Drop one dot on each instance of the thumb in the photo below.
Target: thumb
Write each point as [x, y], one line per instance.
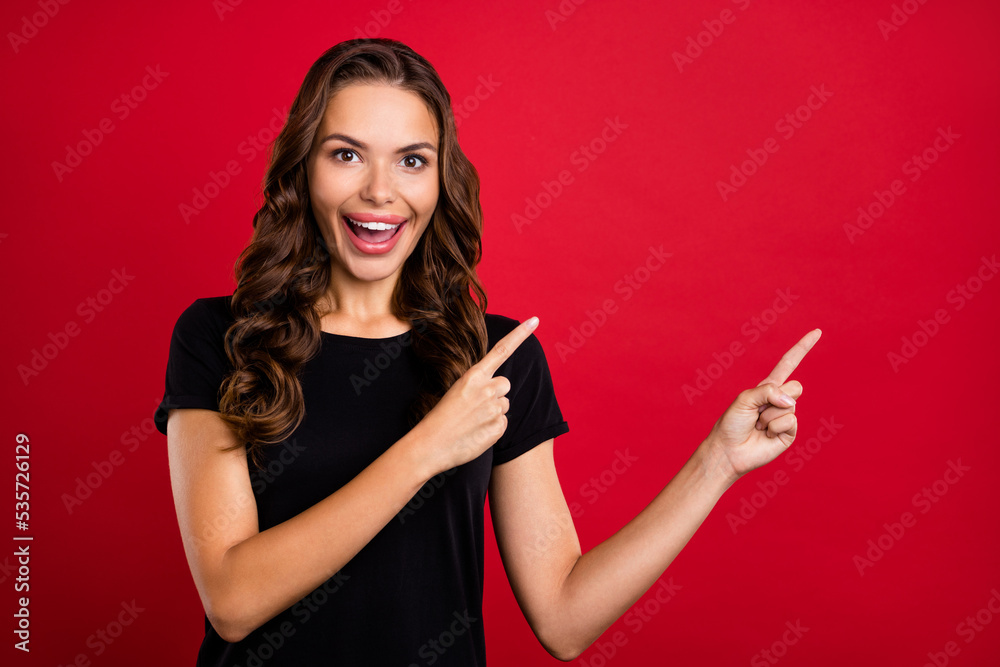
[766, 394]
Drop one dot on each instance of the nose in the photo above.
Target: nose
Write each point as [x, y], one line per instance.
[379, 186]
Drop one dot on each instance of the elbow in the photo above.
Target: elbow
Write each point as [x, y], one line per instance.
[564, 655]
[561, 645]
[230, 628]
[564, 652]
[229, 619]
[230, 632]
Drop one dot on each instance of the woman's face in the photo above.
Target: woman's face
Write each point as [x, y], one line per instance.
[374, 160]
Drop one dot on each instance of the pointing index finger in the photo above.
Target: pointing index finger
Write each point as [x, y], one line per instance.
[506, 346]
[792, 358]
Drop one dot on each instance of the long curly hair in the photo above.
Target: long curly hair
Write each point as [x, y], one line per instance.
[284, 272]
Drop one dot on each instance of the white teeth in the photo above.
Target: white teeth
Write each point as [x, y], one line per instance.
[376, 226]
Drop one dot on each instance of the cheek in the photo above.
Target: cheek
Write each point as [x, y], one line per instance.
[325, 195]
[425, 198]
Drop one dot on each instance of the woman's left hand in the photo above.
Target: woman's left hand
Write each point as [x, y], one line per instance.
[760, 424]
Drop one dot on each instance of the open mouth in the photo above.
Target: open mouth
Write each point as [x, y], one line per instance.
[373, 232]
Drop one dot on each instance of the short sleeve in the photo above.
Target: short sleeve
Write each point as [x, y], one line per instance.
[534, 415]
[197, 363]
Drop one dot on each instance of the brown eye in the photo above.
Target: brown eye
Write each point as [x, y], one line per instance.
[414, 161]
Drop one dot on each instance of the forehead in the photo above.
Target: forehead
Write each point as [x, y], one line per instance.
[379, 114]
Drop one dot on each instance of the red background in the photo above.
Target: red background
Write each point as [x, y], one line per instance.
[554, 84]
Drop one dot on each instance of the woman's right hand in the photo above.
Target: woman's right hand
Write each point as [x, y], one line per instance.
[471, 416]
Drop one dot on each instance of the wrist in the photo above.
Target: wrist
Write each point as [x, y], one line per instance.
[417, 452]
[714, 464]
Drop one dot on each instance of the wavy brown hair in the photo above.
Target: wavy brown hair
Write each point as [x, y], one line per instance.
[284, 272]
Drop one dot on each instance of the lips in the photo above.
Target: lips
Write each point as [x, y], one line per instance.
[377, 242]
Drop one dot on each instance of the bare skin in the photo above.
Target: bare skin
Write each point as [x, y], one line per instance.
[245, 576]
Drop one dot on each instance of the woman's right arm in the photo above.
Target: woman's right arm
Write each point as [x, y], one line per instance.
[246, 577]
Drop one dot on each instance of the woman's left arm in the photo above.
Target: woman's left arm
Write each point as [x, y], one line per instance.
[569, 599]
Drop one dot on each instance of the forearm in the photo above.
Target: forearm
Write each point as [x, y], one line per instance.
[270, 571]
[607, 580]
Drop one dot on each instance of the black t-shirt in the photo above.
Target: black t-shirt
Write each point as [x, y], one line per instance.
[413, 595]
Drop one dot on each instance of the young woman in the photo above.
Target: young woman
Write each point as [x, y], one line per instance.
[334, 425]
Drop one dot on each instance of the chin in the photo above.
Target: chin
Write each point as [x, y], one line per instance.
[370, 270]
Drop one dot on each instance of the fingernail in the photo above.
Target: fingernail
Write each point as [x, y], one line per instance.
[787, 400]
[532, 323]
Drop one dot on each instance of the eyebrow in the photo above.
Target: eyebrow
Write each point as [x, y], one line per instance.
[359, 144]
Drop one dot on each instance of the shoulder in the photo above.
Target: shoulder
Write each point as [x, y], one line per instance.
[207, 313]
[202, 326]
[498, 326]
[527, 354]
